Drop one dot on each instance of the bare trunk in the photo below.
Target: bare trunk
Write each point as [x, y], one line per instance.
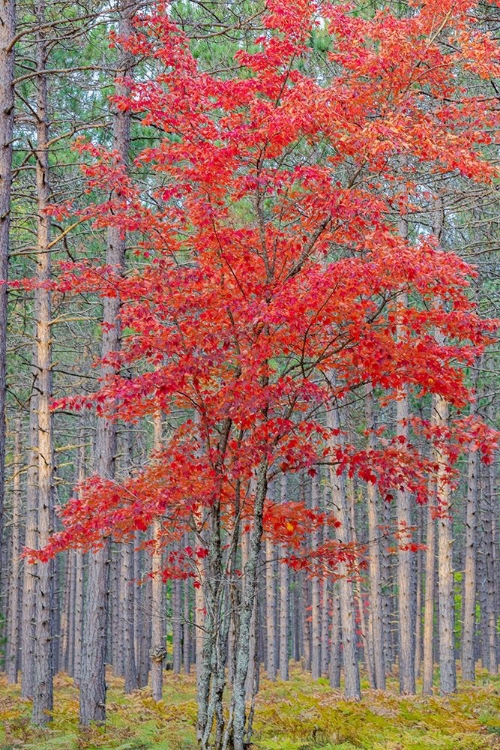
[335, 658]
[405, 573]
[28, 618]
[93, 674]
[315, 596]
[127, 612]
[347, 612]
[7, 33]
[469, 580]
[12, 666]
[430, 574]
[158, 642]
[377, 624]
[447, 669]
[43, 687]
[284, 601]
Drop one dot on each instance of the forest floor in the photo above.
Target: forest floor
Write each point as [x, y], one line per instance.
[297, 715]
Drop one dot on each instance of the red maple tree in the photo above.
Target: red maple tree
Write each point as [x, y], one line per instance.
[272, 280]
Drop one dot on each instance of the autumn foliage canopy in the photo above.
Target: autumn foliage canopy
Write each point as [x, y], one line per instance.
[275, 275]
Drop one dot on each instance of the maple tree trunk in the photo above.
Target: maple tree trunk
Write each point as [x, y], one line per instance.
[247, 608]
[7, 33]
[44, 647]
[12, 662]
[377, 624]
[28, 617]
[447, 669]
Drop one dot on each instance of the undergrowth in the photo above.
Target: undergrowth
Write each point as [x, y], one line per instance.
[296, 715]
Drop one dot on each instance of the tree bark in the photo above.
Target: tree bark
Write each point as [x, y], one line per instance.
[12, 666]
[44, 647]
[347, 612]
[7, 33]
[374, 552]
[469, 580]
[447, 673]
[93, 674]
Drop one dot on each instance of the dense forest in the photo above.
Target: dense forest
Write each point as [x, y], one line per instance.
[249, 411]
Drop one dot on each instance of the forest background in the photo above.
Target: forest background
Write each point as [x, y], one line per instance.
[375, 561]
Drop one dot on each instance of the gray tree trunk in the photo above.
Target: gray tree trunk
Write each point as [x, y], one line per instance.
[127, 613]
[270, 610]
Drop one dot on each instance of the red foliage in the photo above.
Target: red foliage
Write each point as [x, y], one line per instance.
[272, 269]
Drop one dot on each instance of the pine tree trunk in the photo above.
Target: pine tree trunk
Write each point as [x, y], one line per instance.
[405, 573]
[127, 612]
[447, 669]
[12, 666]
[28, 618]
[469, 580]
[93, 673]
[7, 33]
[270, 611]
[377, 624]
[336, 639]
[347, 611]
[315, 596]
[44, 647]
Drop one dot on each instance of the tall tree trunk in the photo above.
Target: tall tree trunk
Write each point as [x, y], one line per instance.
[247, 608]
[128, 615]
[430, 587]
[469, 580]
[405, 571]
[335, 656]
[158, 642]
[347, 612]
[12, 666]
[270, 610]
[93, 674]
[447, 668]
[284, 601]
[7, 33]
[374, 552]
[28, 617]
[44, 647]
[315, 595]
